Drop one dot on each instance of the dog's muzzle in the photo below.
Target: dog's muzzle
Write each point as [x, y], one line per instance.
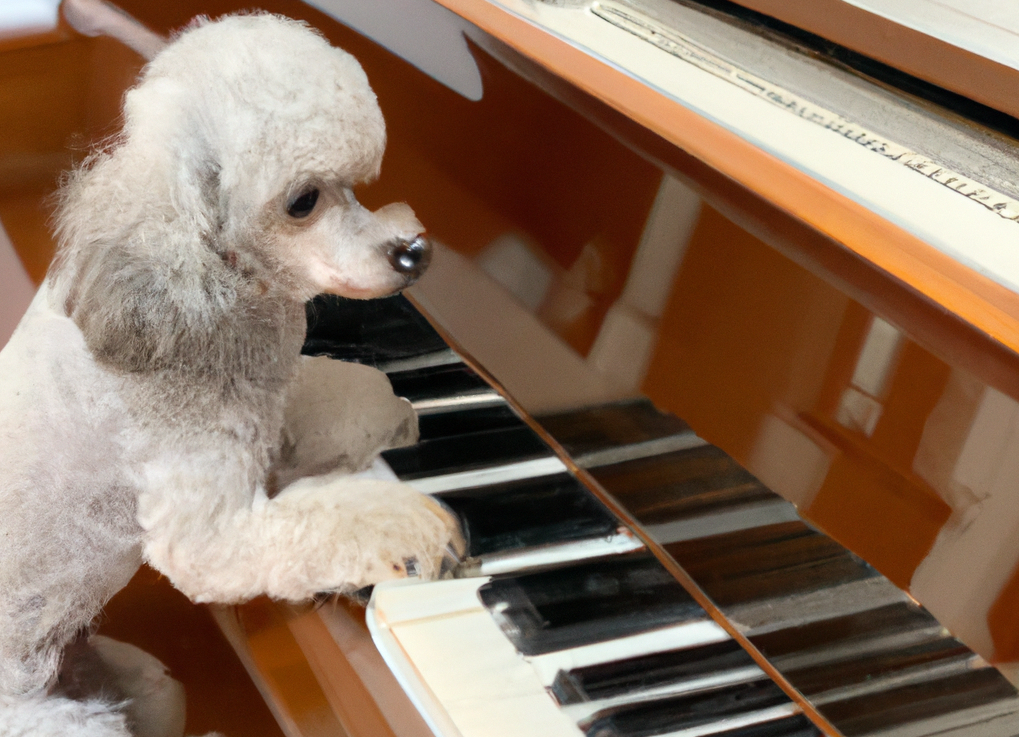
[411, 257]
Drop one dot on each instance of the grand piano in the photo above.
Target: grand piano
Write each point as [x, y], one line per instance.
[716, 361]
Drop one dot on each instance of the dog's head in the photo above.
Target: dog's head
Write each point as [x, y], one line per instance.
[230, 190]
[251, 132]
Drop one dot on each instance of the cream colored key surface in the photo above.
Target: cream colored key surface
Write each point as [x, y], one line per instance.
[457, 665]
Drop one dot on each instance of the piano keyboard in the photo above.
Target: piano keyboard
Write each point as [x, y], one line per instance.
[562, 622]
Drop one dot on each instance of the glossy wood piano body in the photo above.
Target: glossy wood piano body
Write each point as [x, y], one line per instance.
[683, 206]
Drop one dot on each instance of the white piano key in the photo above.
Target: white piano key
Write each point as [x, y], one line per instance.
[677, 637]
[550, 555]
[762, 716]
[646, 449]
[456, 664]
[733, 676]
[474, 400]
[431, 710]
[427, 360]
[745, 517]
[769, 615]
[397, 602]
[485, 476]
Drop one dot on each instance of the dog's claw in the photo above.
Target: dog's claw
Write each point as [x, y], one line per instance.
[411, 567]
[452, 562]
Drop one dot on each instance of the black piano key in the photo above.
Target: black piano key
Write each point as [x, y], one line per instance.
[633, 675]
[684, 712]
[374, 332]
[610, 425]
[931, 698]
[767, 562]
[820, 678]
[467, 422]
[530, 512]
[588, 603]
[794, 726]
[846, 634]
[438, 382]
[466, 452]
[857, 648]
[686, 483]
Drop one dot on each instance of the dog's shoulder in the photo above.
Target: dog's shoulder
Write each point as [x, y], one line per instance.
[47, 371]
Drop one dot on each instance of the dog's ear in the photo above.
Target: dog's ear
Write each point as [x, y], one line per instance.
[136, 312]
[148, 270]
[140, 267]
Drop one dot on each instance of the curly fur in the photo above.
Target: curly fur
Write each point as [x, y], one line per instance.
[144, 397]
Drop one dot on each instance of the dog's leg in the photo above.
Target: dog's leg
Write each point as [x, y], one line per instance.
[327, 533]
[338, 417]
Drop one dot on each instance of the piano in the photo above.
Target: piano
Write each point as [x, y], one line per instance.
[625, 577]
[716, 361]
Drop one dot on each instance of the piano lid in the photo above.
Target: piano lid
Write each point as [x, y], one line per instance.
[869, 167]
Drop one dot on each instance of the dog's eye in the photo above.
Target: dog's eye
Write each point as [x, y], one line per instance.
[303, 204]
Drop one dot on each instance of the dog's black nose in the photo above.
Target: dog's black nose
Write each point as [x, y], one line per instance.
[411, 257]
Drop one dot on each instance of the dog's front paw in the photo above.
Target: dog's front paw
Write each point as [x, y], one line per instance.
[422, 539]
[336, 533]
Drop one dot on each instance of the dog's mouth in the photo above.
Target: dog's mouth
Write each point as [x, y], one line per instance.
[358, 290]
[351, 292]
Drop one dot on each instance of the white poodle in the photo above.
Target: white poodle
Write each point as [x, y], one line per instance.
[144, 397]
